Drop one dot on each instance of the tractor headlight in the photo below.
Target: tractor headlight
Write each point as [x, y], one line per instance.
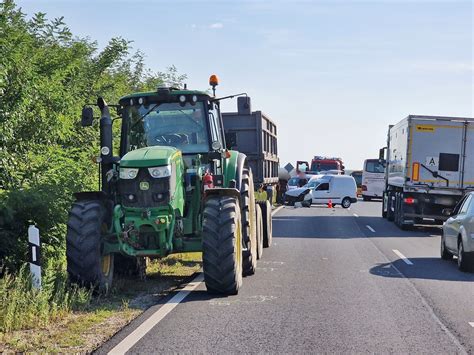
[128, 173]
[160, 171]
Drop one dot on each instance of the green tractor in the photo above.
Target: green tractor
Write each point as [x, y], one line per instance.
[173, 188]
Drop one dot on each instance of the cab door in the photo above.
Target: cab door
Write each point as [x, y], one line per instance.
[320, 194]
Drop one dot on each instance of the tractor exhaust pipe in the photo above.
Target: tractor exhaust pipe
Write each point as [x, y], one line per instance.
[105, 142]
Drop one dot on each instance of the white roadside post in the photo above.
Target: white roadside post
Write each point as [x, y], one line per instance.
[35, 255]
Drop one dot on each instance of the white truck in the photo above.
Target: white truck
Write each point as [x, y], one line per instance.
[429, 167]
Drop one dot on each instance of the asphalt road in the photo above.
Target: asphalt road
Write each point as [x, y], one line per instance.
[335, 280]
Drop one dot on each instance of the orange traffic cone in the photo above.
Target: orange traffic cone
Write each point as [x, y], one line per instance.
[330, 204]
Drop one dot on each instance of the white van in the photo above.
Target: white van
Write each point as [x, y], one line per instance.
[373, 179]
[340, 189]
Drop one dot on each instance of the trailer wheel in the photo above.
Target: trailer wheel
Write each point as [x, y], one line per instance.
[259, 220]
[267, 223]
[222, 245]
[249, 230]
[86, 265]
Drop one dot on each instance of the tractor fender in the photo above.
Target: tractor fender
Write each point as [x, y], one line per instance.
[234, 167]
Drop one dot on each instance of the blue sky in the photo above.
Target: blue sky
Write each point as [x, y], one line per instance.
[332, 74]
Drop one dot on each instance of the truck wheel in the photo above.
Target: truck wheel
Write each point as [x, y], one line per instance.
[390, 205]
[266, 208]
[222, 245]
[346, 202]
[399, 214]
[86, 265]
[259, 220]
[445, 254]
[249, 230]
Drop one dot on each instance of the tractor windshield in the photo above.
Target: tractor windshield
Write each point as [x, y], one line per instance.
[170, 124]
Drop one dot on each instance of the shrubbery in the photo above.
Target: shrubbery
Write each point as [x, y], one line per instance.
[46, 76]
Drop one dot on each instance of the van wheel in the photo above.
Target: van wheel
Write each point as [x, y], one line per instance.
[346, 202]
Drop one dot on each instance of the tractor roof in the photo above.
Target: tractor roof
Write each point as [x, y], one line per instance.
[169, 91]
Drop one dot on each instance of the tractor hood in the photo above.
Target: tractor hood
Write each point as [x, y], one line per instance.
[149, 156]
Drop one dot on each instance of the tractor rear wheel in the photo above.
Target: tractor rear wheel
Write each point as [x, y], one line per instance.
[266, 208]
[222, 245]
[249, 228]
[259, 220]
[85, 263]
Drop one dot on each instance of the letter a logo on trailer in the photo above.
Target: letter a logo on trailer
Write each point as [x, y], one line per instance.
[432, 162]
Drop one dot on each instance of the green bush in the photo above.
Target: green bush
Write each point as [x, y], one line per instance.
[46, 76]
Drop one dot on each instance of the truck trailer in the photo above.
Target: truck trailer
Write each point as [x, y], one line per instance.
[430, 166]
[255, 134]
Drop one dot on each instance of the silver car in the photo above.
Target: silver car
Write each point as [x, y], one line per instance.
[458, 234]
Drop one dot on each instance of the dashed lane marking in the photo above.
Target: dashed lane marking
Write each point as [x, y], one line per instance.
[403, 257]
[355, 215]
[133, 338]
[471, 324]
[370, 228]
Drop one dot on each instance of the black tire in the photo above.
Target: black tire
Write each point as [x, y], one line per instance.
[222, 245]
[259, 219]
[445, 254]
[346, 202]
[266, 208]
[126, 266]
[86, 265]
[399, 214]
[384, 213]
[249, 230]
[390, 205]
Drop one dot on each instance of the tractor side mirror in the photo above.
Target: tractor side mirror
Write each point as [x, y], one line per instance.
[87, 116]
[382, 154]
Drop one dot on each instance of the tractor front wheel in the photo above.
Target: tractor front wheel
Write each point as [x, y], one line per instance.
[86, 265]
[222, 245]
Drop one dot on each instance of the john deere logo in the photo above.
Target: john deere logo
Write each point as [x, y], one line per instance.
[144, 185]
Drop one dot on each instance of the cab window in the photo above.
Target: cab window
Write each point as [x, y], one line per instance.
[323, 187]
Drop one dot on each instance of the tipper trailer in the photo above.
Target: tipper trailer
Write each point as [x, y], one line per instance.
[254, 134]
[430, 165]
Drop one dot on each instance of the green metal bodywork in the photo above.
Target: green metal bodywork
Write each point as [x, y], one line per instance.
[177, 226]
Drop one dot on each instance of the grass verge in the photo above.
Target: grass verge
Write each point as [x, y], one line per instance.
[84, 326]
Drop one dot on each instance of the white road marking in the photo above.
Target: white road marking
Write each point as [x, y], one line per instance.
[471, 324]
[276, 210]
[133, 338]
[403, 257]
[370, 228]
[355, 215]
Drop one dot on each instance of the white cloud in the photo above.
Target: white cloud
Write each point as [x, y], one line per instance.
[216, 26]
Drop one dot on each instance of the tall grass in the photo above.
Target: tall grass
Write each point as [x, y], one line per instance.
[22, 306]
